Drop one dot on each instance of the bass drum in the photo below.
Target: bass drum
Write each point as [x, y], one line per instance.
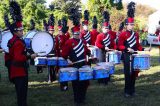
[6, 36]
[42, 43]
[28, 38]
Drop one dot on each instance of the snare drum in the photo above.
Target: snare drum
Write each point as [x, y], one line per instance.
[62, 62]
[109, 65]
[52, 61]
[28, 38]
[42, 43]
[40, 61]
[94, 51]
[100, 72]
[6, 36]
[85, 73]
[68, 74]
[114, 57]
[141, 61]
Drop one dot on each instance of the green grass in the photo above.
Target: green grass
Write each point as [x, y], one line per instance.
[40, 93]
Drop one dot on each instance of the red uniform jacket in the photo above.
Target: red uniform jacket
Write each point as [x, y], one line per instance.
[75, 49]
[113, 34]
[129, 39]
[67, 35]
[59, 43]
[94, 34]
[105, 40]
[18, 56]
[86, 36]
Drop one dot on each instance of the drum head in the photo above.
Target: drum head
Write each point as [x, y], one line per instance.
[42, 43]
[6, 36]
[30, 34]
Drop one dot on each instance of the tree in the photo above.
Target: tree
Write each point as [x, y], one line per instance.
[31, 9]
[3, 10]
[114, 7]
[62, 7]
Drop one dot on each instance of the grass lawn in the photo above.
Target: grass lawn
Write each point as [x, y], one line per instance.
[40, 93]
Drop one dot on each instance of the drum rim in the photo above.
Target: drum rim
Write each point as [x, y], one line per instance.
[69, 68]
[30, 32]
[141, 55]
[61, 58]
[51, 37]
[105, 63]
[114, 52]
[50, 58]
[41, 57]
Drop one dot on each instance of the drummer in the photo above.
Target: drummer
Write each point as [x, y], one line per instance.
[94, 31]
[128, 43]
[112, 33]
[120, 30]
[18, 55]
[78, 58]
[105, 42]
[30, 51]
[52, 71]
[60, 40]
[85, 33]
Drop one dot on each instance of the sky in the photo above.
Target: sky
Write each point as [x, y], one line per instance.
[152, 3]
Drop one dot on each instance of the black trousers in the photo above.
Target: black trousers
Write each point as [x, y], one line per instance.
[21, 85]
[52, 73]
[79, 90]
[7, 64]
[129, 74]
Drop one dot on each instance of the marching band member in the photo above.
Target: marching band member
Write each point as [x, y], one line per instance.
[76, 50]
[52, 71]
[18, 56]
[85, 33]
[111, 32]
[128, 43]
[94, 31]
[30, 51]
[60, 40]
[105, 42]
[120, 30]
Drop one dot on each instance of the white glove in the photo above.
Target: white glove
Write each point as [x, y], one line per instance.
[130, 50]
